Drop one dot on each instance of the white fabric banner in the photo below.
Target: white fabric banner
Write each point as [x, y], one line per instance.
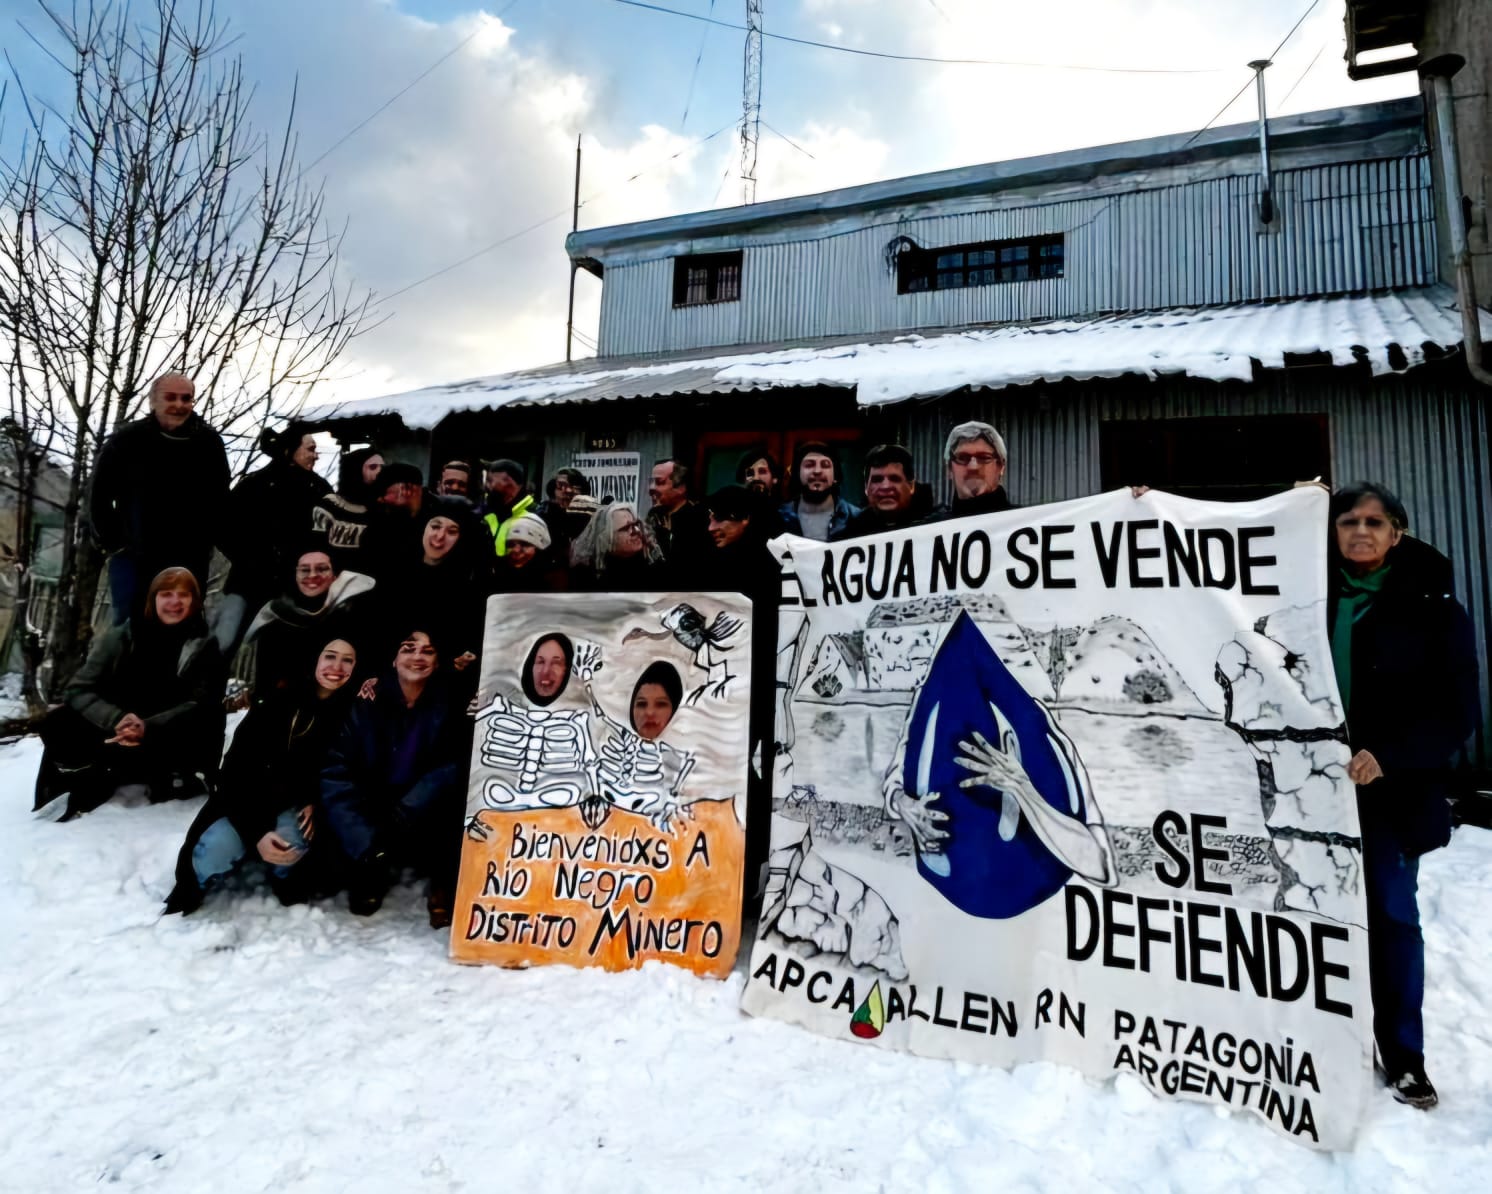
[1068, 783]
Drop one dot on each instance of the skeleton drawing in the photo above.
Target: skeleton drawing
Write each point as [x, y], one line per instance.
[559, 758]
[634, 774]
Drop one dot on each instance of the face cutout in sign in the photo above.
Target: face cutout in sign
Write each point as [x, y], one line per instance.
[606, 805]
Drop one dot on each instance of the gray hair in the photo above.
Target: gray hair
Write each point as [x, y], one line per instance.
[592, 547]
[974, 430]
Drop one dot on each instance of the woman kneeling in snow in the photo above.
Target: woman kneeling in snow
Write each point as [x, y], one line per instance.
[269, 785]
[393, 781]
[145, 708]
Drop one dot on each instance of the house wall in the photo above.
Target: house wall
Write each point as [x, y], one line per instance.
[1135, 242]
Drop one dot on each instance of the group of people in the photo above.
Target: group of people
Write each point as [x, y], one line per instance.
[356, 616]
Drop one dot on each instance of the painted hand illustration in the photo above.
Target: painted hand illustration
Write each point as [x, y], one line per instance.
[925, 822]
[1084, 848]
[594, 810]
[587, 660]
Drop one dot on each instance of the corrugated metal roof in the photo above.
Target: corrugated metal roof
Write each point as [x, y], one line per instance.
[1391, 331]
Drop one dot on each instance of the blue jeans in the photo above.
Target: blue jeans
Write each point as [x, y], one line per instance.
[220, 847]
[230, 623]
[1396, 952]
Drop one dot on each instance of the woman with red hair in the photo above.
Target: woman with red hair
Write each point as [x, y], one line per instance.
[146, 707]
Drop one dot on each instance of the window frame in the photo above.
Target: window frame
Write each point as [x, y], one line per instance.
[715, 265]
[932, 266]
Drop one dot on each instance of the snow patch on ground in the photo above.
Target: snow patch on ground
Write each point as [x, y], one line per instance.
[252, 1047]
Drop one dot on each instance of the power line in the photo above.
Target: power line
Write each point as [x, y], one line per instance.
[790, 141]
[694, 74]
[562, 213]
[1299, 21]
[827, 45]
[398, 95]
[1303, 74]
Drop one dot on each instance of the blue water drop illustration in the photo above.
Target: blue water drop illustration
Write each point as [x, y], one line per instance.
[982, 871]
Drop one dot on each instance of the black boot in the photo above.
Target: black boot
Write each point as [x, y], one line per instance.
[367, 885]
[185, 898]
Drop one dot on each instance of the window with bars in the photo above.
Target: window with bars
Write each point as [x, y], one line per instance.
[706, 278]
[958, 266]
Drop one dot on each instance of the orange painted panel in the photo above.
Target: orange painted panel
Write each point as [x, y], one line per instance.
[605, 810]
[539, 887]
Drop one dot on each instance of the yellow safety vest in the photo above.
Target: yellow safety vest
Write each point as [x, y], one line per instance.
[500, 529]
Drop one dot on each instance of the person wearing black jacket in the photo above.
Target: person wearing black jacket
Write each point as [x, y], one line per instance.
[145, 707]
[739, 562]
[270, 784]
[443, 580]
[319, 602]
[393, 781]
[158, 494]
[893, 499]
[344, 516]
[269, 516]
[975, 456]
[1405, 662]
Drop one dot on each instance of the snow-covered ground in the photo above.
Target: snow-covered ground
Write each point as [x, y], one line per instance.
[252, 1047]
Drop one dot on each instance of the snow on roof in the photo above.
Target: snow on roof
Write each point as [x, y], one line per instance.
[1216, 343]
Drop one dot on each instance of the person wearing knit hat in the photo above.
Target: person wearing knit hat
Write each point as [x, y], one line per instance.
[343, 517]
[529, 532]
[528, 566]
[269, 511]
[399, 507]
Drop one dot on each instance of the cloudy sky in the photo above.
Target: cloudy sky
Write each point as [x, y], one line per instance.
[482, 148]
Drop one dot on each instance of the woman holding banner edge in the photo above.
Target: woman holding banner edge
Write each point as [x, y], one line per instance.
[1404, 657]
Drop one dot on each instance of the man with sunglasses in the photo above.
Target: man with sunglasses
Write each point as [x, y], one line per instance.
[975, 455]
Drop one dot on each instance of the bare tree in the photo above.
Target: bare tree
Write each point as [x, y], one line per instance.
[146, 227]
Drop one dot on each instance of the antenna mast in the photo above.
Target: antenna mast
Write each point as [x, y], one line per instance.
[751, 101]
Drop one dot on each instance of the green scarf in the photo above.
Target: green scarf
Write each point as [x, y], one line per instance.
[1355, 599]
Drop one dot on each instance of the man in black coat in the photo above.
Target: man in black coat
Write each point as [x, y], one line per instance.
[975, 456]
[680, 526]
[160, 486]
[890, 495]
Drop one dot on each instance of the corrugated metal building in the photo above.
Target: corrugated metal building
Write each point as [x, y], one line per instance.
[1124, 314]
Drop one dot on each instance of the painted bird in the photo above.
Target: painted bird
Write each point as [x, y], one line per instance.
[710, 643]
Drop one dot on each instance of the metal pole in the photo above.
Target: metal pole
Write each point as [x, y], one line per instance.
[1266, 200]
[1439, 71]
[574, 226]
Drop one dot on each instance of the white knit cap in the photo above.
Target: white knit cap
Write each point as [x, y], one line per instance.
[529, 528]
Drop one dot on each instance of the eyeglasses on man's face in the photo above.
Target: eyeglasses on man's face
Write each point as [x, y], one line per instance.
[974, 459]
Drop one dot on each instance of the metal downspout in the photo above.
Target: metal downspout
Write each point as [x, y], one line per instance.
[1438, 71]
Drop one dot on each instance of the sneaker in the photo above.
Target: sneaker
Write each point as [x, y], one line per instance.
[1413, 1088]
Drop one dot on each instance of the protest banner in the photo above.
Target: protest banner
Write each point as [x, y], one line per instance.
[615, 475]
[605, 819]
[1068, 783]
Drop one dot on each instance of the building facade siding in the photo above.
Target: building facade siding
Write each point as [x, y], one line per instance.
[1339, 228]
